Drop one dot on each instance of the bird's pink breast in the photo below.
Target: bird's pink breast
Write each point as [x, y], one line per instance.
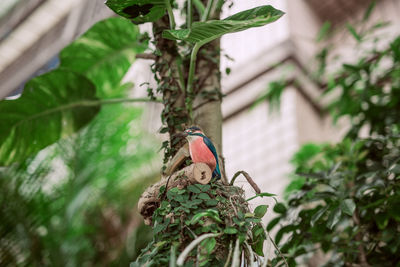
[199, 152]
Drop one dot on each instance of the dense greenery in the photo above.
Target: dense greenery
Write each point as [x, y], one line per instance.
[187, 214]
[343, 200]
[74, 203]
[74, 169]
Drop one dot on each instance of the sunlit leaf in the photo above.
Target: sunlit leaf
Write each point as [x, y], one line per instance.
[52, 106]
[104, 54]
[204, 32]
[139, 11]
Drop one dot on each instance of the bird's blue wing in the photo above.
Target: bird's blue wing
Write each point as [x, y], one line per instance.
[210, 146]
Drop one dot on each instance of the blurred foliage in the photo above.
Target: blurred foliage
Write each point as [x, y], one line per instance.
[74, 204]
[343, 200]
[59, 103]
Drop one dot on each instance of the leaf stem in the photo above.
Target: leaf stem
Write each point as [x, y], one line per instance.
[180, 73]
[189, 14]
[192, 67]
[192, 245]
[170, 14]
[207, 12]
[199, 6]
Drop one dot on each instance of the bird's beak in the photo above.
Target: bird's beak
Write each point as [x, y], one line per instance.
[180, 135]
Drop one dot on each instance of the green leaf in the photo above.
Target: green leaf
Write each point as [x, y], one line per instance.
[104, 54]
[280, 208]
[369, 10]
[324, 31]
[193, 189]
[382, 220]
[348, 206]
[138, 11]
[203, 196]
[318, 215]
[258, 247]
[264, 194]
[272, 223]
[334, 218]
[353, 32]
[260, 211]
[51, 107]
[209, 244]
[204, 32]
[230, 230]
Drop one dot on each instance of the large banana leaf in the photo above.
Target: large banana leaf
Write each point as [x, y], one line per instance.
[52, 106]
[104, 54]
[204, 32]
[139, 11]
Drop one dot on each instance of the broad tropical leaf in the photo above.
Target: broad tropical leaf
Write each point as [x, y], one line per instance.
[52, 106]
[204, 32]
[139, 11]
[104, 54]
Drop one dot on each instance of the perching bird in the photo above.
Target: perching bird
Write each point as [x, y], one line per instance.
[202, 149]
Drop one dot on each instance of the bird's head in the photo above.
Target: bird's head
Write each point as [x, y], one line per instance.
[191, 133]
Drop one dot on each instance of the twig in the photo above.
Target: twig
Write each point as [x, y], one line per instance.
[265, 262]
[192, 245]
[146, 56]
[233, 206]
[276, 247]
[362, 256]
[236, 255]
[229, 255]
[248, 178]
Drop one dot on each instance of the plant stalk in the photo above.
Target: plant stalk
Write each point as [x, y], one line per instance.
[189, 86]
[170, 14]
[207, 12]
[189, 14]
[199, 6]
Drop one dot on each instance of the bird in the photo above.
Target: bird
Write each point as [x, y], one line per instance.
[201, 149]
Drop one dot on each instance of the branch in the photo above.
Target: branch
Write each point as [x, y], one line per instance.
[362, 256]
[276, 247]
[248, 178]
[192, 245]
[146, 56]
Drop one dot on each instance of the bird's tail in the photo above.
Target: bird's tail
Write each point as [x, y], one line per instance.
[216, 173]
